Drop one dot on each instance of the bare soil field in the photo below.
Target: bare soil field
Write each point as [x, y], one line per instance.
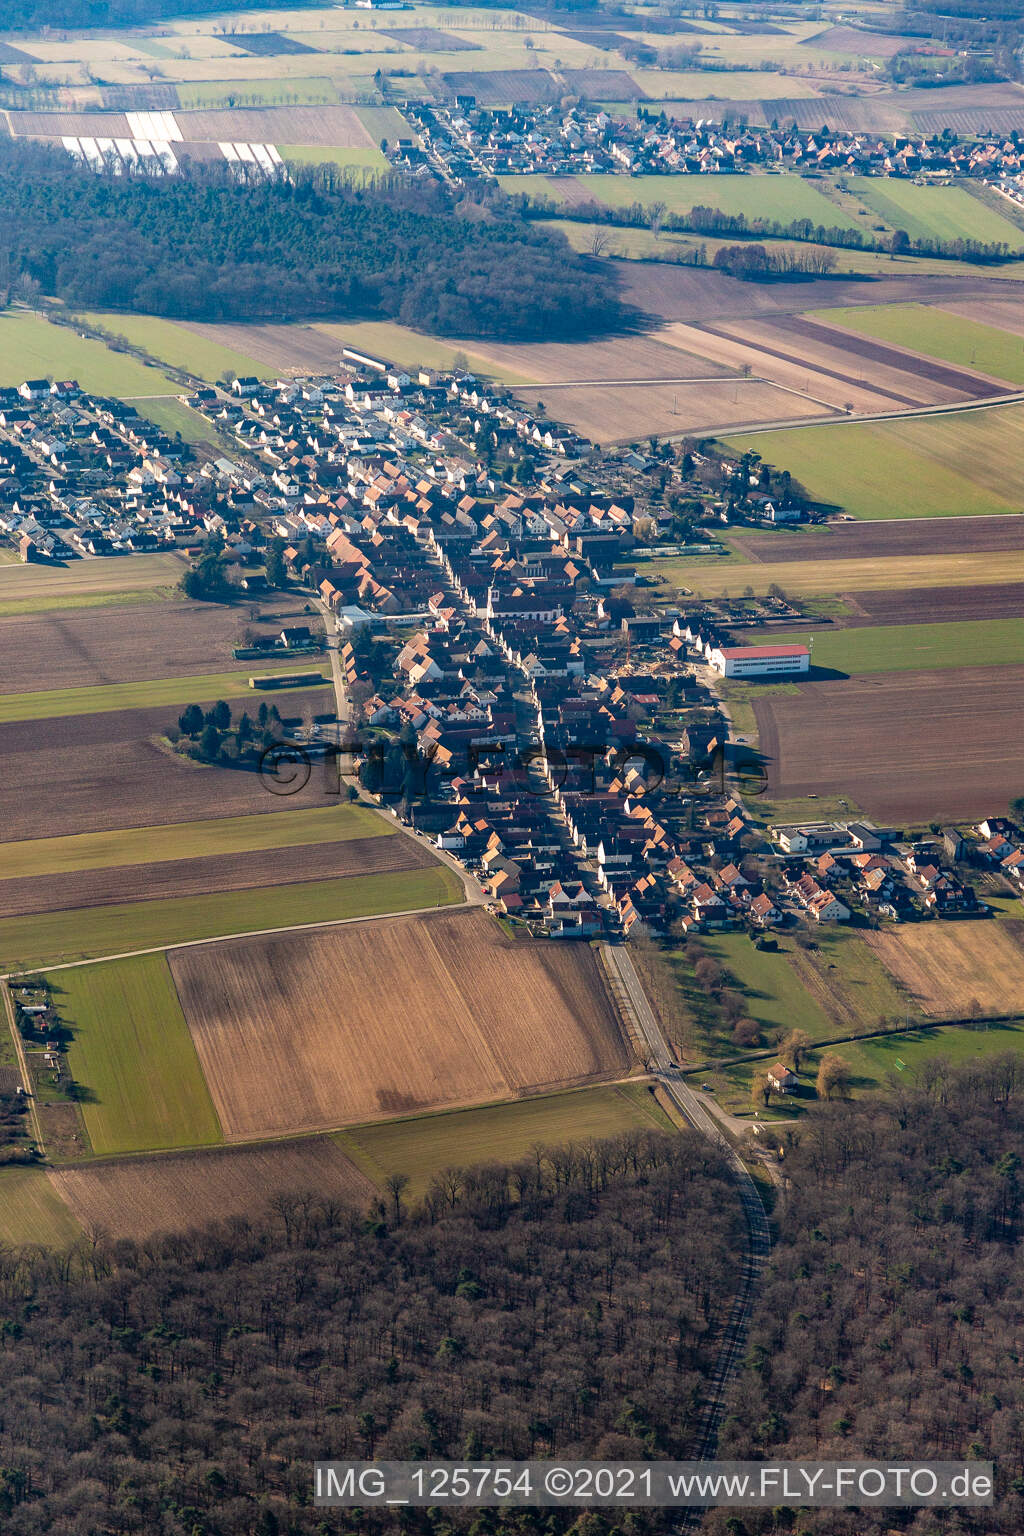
[851, 541]
[501, 87]
[93, 773]
[308, 1031]
[267, 45]
[55, 125]
[335, 125]
[872, 45]
[1003, 314]
[603, 84]
[291, 348]
[792, 364]
[644, 357]
[700, 294]
[81, 648]
[907, 747]
[933, 605]
[954, 969]
[174, 1192]
[219, 872]
[942, 380]
[430, 39]
[621, 413]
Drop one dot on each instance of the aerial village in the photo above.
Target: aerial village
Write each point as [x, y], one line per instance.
[517, 690]
[461, 141]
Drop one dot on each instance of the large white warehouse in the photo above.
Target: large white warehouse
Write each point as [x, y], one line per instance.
[760, 660]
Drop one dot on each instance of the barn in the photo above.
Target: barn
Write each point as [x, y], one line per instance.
[760, 660]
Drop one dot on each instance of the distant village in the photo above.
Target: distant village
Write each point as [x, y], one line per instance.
[520, 692]
[462, 141]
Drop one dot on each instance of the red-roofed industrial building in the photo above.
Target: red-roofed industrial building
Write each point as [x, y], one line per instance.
[760, 660]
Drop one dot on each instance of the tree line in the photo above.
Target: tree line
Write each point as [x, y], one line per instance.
[205, 246]
[570, 1303]
[712, 221]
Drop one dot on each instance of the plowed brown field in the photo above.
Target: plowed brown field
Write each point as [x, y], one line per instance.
[854, 541]
[173, 1193]
[84, 647]
[957, 969]
[95, 772]
[906, 747]
[306, 1031]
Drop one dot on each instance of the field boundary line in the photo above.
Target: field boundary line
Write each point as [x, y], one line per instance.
[951, 408]
[223, 938]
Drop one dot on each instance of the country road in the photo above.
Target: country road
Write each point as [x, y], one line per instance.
[759, 1240]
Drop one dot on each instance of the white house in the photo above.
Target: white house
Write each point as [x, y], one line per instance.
[760, 660]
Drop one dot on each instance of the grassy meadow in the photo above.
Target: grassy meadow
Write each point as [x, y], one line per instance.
[133, 1057]
[423, 1147]
[83, 932]
[953, 464]
[937, 333]
[189, 840]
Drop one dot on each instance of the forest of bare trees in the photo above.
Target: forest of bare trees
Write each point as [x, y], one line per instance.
[184, 1386]
[892, 1320]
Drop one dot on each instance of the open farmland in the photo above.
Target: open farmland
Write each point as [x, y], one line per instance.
[929, 329]
[619, 413]
[952, 465]
[816, 362]
[781, 197]
[935, 213]
[31, 1210]
[918, 606]
[174, 1192]
[897, 545]
[643, 357]
[102, 771]
[88, 648]
[279, 868]
[906, 647]
[956, 970]
[907, 747]
[224, 835]
[423, 1147]
[81, 932]
[29, 585]
[388, 1018]
[823, 577]
[180, 347]
[32, 348]
[134, 1057]
[202, 688]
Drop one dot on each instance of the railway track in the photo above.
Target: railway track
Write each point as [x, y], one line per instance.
[759, 1241]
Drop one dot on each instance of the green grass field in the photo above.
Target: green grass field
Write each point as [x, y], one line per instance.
[133, 1056]
[31, 1211]
[423, 1147]
[775, 995]
[937, 333]
[190, 840]
[935, 213]
[83, 932]
[783, 197]
[202, 688]
[955, 465]
[917, 647]
[382, 123]
[177, 419]
[179, 347]
[367, 157]
[32, 348]
[45, 604]
[289, 90]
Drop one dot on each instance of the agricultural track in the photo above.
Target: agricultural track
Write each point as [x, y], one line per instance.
[628, 989]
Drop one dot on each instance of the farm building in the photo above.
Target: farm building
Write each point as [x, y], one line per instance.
[760, 660]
